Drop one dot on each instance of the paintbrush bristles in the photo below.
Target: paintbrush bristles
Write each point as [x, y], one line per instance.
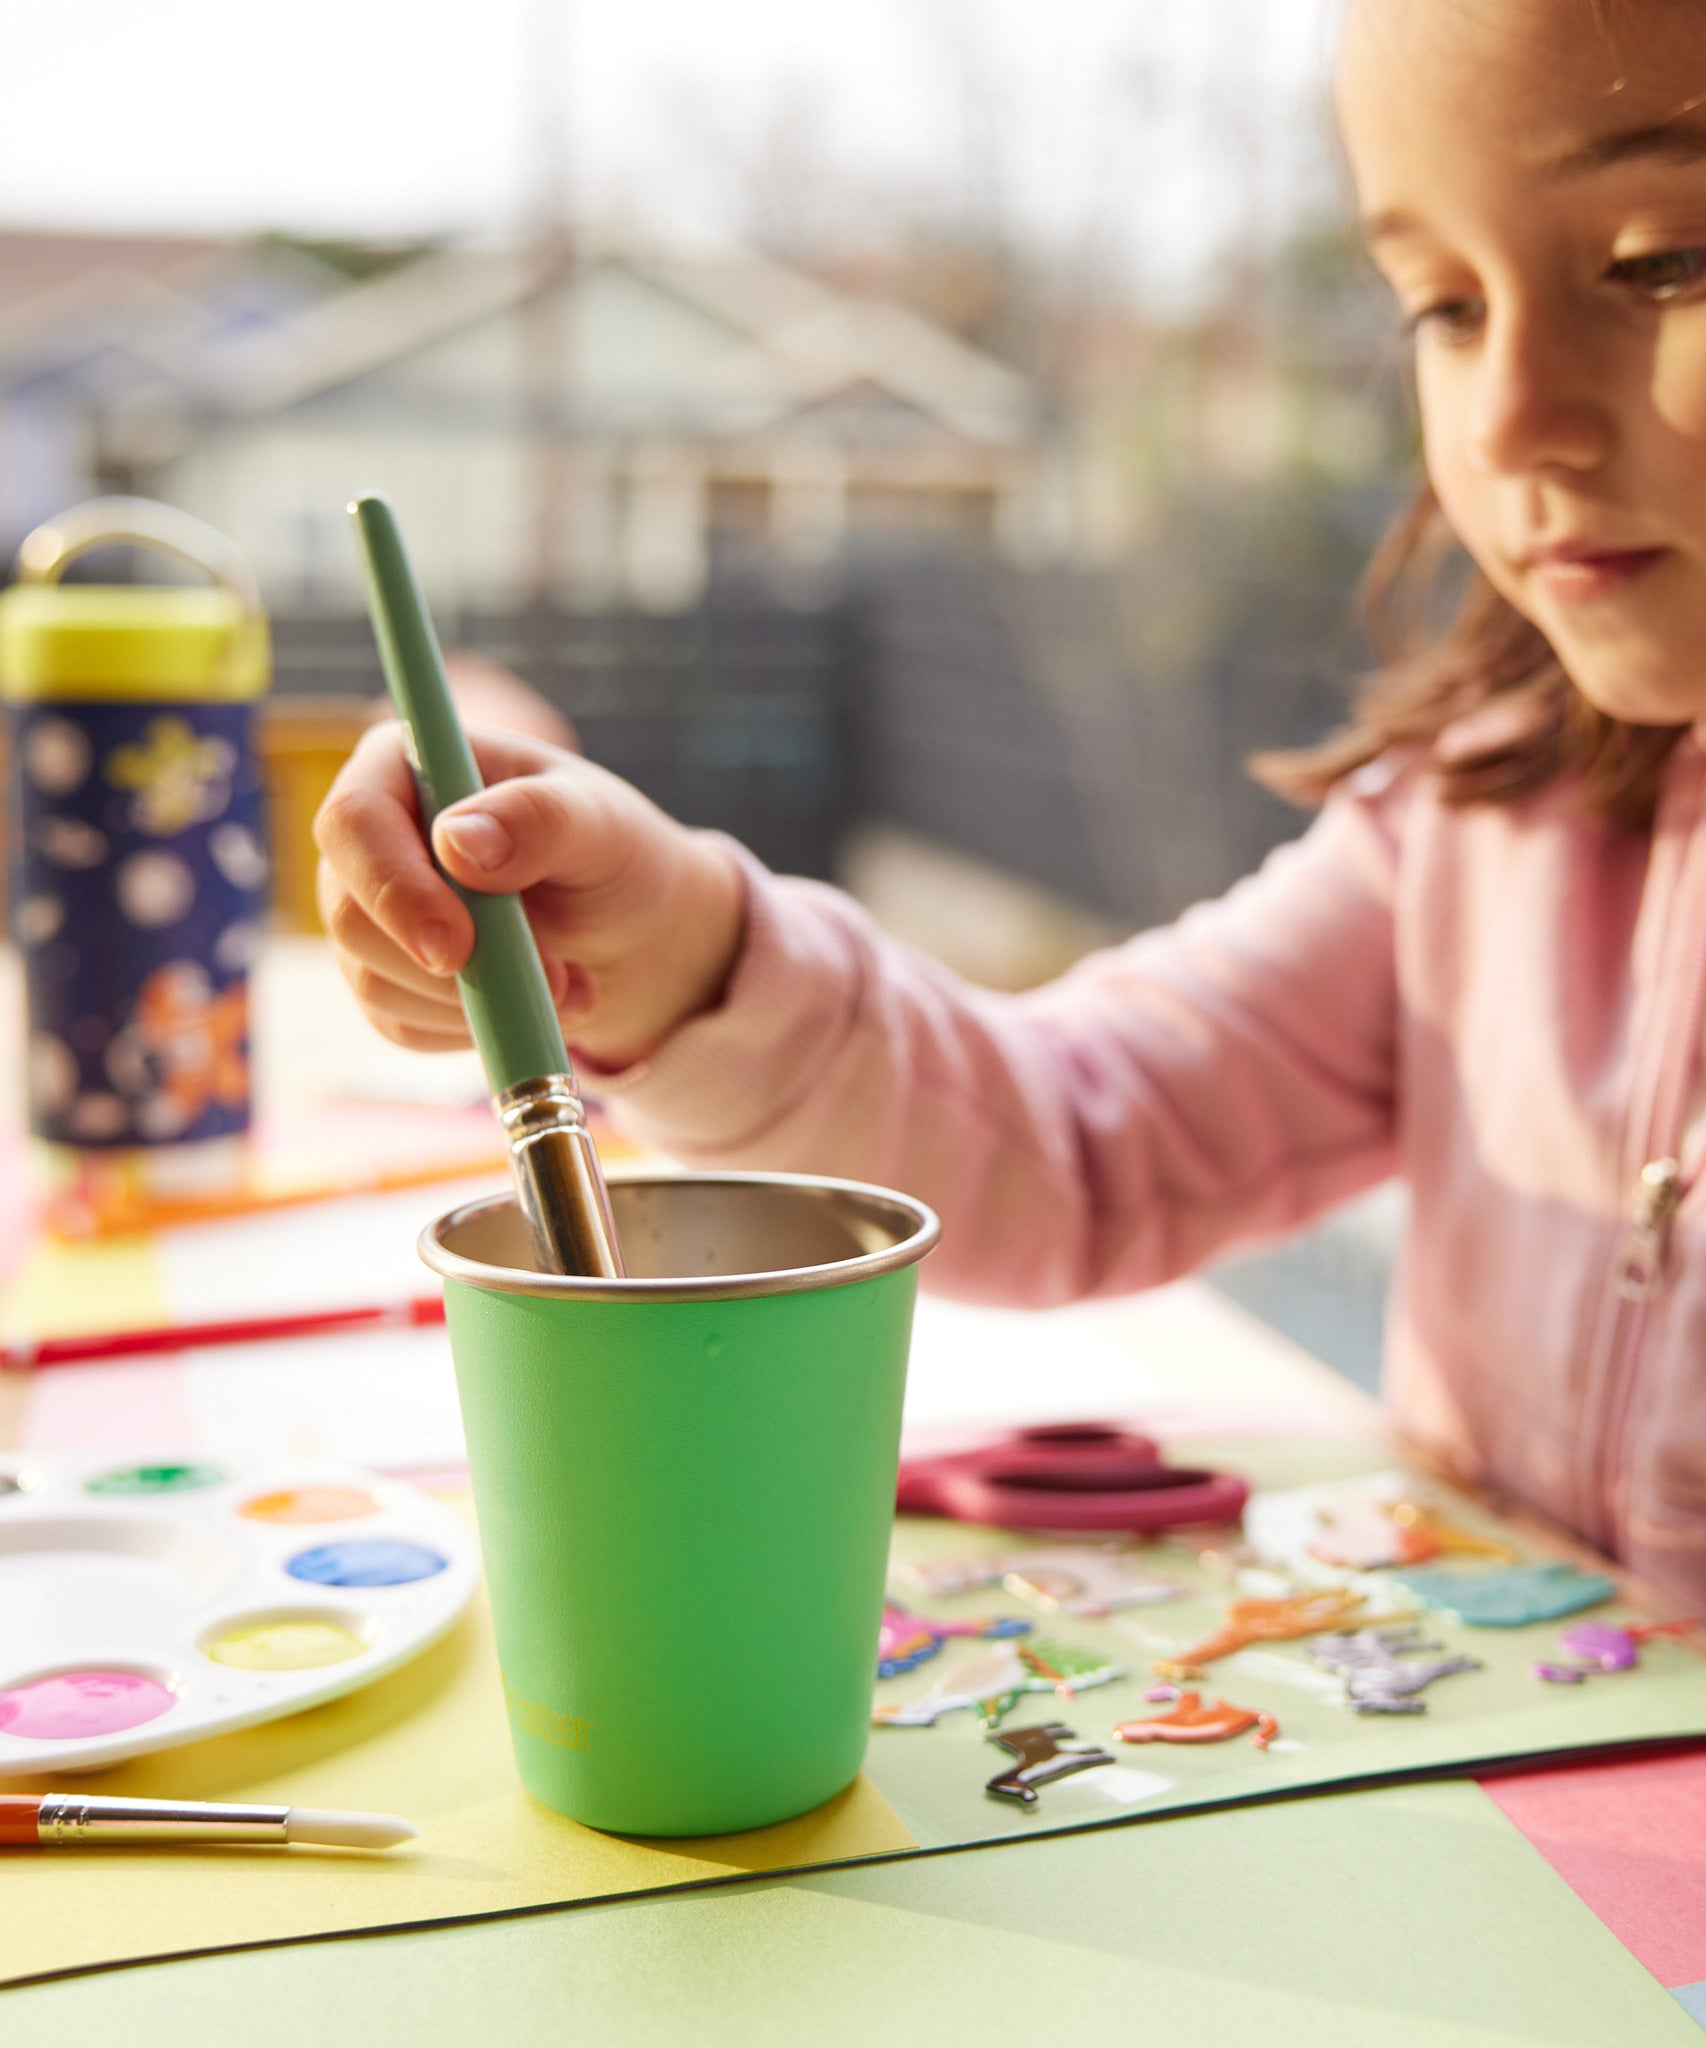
[346, 1830]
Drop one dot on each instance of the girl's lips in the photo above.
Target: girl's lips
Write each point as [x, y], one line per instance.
[1576, 575]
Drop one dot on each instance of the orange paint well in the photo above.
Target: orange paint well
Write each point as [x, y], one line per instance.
[310, 1504]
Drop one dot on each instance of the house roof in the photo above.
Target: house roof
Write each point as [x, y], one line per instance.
[726, 343]
[34, 261]
[778, 343]
[167, 304]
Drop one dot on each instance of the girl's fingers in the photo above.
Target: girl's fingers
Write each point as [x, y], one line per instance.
[357, 939]
[363, 948]
[413, 1039]
[369, 831]
[391, 1004]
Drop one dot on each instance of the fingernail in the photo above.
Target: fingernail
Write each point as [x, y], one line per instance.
[478, 839]
[432, 946]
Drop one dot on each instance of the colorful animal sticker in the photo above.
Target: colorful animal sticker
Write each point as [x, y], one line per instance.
[1066, 1579]
[1383, 1668]
[1603, 1647]
[1513, 1598]
[1450, 1539]
[1190, 1721]
[1043, 1754]
[1367, 1535]
[907, 1640]
[1057, 1667]
[993, 1684]
[977, 1687]
[1219, 1551]
[1279, 1620]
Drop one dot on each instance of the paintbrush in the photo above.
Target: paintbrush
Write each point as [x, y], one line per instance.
[65, 1821]
[504, 991]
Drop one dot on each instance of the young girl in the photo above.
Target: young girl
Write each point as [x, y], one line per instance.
[1483, 967]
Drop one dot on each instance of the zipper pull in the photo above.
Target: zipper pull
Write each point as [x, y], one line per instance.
[1642, 1257]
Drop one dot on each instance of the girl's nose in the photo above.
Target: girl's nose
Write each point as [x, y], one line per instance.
[1537, 404]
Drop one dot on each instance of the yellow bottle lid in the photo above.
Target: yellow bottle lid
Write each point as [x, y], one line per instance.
[130, 641]
[124, 641]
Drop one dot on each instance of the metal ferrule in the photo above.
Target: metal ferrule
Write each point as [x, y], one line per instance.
[557, 1178]
[64, 1823]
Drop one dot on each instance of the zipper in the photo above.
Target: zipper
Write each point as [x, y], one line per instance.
[1638, 1269]
[1638, 1276]
[1646, 1237]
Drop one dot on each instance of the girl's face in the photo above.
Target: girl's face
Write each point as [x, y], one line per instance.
[1532, 175]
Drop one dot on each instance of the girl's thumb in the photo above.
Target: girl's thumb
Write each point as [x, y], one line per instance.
[509, 837]
[474, 839]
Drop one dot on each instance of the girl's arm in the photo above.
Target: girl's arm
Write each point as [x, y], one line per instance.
[1225, 1077]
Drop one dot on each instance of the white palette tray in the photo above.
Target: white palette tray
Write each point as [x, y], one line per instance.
[153, 1603]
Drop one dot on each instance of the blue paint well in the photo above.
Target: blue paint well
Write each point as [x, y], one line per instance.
[365, 1561]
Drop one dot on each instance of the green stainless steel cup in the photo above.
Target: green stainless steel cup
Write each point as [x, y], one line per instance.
[685, 1484]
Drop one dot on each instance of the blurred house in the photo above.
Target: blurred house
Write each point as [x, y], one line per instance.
[588, 430]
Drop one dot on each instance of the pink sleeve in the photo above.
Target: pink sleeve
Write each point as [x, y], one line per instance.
[1223, 1077]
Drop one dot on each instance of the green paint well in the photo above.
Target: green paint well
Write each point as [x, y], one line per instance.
[134, 1479]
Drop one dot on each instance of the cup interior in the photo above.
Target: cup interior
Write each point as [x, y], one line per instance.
[698, 1234]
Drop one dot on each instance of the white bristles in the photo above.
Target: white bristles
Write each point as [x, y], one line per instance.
[346, 1830]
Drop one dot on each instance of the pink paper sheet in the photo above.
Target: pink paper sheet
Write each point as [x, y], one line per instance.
[1630, 1840]
[15, 1204]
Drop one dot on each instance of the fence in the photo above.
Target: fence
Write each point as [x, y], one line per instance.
[1023, 717]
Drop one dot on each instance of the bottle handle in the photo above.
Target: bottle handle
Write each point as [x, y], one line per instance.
[57, 542]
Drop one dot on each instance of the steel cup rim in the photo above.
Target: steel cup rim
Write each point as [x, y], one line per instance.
[880, 1203]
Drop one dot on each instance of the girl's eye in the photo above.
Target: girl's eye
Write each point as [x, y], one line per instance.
[1451, 320]
[1667, 274]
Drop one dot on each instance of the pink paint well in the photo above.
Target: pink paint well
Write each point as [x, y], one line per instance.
[74, 1703]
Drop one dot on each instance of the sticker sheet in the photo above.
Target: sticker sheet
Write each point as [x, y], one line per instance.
[1389, 1681]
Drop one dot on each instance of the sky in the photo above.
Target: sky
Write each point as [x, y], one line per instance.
[1136, 125]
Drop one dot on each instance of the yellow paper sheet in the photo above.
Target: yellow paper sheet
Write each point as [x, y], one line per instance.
[118, 1285]
[431, 1743]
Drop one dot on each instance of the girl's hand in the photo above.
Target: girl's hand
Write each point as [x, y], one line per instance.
[638, 919]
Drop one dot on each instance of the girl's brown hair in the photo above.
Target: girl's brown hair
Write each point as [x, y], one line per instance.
[1486, 654]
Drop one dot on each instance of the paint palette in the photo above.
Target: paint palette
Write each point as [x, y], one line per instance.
[143, 1606]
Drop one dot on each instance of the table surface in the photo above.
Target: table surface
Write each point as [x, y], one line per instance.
[1554, 1908]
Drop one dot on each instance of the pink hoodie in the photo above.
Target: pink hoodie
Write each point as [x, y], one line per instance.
[1506, 1005]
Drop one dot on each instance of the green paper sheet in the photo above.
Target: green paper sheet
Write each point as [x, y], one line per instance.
[1414, 1918]
[430, 1742]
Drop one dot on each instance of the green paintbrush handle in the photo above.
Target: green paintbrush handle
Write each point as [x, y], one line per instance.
[504, 990]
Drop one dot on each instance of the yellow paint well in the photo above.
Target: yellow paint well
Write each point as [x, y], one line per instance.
[285, 1645]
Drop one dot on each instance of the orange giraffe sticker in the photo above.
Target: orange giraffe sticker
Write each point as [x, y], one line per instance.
[1266, 1621]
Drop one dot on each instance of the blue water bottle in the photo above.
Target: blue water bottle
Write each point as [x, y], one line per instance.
[136, 869]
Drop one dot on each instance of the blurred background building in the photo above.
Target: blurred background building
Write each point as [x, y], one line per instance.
[939, 456]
